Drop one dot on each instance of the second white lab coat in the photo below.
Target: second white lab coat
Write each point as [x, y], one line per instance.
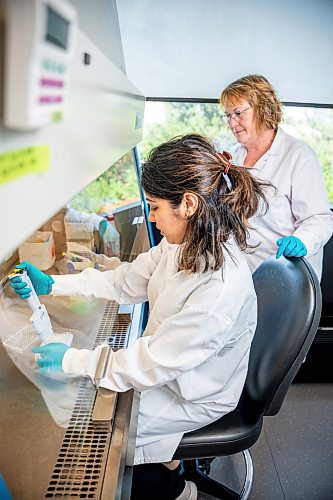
[191, 362]
[299, 206]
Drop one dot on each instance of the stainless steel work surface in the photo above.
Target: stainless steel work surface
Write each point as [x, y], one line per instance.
[29, 438]
[40, 459]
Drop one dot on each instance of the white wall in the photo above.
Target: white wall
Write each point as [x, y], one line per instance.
[193, 48]
[98, 19]
[98, 129]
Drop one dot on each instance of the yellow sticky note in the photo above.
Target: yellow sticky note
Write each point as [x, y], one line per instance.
[15, 164]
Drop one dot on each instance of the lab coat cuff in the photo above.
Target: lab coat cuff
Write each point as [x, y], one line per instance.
[81, 361]
[66, 284]
[96, 220]
[312, 247]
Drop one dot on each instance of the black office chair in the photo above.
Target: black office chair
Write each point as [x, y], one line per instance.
[289, 306]
[317, 367]
[326, 286]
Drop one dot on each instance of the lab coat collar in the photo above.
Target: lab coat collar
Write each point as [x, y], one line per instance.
[276, 144]
[273, 151]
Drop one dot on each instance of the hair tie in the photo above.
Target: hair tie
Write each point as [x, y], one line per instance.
[225, 158]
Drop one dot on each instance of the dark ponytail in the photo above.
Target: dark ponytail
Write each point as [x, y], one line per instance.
[228, 196]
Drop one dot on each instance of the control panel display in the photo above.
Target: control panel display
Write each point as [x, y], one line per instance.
[56, 29]
[40, 44]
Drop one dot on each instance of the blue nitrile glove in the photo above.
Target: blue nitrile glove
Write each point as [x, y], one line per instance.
[52, 355]
[290, 246]
[102, 227]
[41, 282]
[4, 493]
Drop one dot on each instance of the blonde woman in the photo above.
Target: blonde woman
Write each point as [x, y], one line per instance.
[298, 222]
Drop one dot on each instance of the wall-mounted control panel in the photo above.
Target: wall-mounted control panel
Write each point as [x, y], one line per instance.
[39, 46]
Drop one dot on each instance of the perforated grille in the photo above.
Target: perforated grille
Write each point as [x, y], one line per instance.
[107, 324]
[118, 337]
[80, 465]
[82, 454]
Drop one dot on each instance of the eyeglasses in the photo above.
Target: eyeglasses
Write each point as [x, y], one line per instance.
[236, 115]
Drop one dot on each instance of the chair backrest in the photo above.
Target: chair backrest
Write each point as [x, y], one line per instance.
[289, 307]
[327, 285]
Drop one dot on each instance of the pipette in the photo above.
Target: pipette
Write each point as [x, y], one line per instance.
[39, 318]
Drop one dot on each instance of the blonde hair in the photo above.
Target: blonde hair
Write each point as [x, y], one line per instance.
[262, 96]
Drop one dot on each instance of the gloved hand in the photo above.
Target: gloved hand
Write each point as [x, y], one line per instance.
[102, 227]
[290, 246]
[52, 355]
[41, 282]
[111, 240]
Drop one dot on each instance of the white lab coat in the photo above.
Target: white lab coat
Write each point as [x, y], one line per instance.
[191, 362]
[299, 207]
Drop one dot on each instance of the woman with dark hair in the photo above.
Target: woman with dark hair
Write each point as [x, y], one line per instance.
[191, 362]
[298, 222]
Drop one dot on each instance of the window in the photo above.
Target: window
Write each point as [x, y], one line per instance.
[164, 120]
[116, 187]
[116, 194]
[315, 127]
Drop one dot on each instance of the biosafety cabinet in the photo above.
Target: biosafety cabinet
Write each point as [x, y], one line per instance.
[68, 114]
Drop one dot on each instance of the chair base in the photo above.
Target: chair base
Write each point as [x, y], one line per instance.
[205, 484]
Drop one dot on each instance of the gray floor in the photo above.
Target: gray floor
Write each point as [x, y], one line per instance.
[293, 459]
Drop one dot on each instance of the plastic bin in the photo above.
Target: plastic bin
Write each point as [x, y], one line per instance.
[38, 250]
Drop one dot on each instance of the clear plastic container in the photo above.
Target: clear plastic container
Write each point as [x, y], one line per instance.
[80, 232]
[111, 239]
